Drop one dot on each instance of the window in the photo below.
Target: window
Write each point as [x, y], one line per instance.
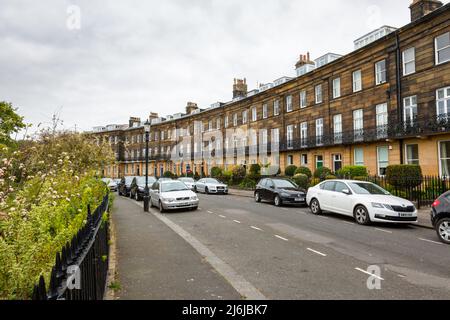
[162, 135]
[357, 81]
[358, 125]
[303, 101]
[337, 127]
[359, 157]
[235, 119]
[318, 91]
[290, 136]
[319, 162]
[442, 46]
[444, 158]
[304, 134]
[319, 131]
[244, 116]
[254, 114]
[218, 124]
[337, 162]
[412, 154]
[226, 122]
[382, 120]
[409, 61]
[290, 161]
[380, 72]
[410, 110]
[304, 159]
[336, 88]
[265, 111]
[275, 136]
[289, 103]
[210, 125]
[263, 135]
[276, 107]
[383, 160]
[443, 102]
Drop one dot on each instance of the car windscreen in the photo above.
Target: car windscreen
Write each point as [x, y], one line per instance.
[187, 180]
[128, 180]
[367, 188]
[214, 181]
[284, 184]
[173, 186]
[140, 181]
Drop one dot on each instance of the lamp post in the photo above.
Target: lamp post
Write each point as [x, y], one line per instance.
[147, 127]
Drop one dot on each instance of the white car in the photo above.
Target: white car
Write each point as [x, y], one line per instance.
[189, 182]
[364, 201]
[172, 195]
[209, 185]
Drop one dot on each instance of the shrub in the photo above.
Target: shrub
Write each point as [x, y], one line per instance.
[168, 174]
[248, 183]
[362, 178]
[238, 174]
[255, 169]
[226, 177]
[322, 173]
[330, 177]
[404, 176]
[352, 172]
[302, 180]
[305, 171]
[290, 170]
[216, 172]
[196, 176]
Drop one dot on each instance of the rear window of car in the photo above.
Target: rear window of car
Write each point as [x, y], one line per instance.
[328, 186]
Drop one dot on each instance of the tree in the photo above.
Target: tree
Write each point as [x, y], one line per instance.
[10, 122]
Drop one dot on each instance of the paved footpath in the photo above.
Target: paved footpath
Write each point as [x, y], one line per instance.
[154, 263]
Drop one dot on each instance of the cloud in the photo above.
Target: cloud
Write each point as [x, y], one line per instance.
[133, 57]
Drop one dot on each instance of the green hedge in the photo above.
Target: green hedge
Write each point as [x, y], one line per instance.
[302, 180]
[290, 170]
[304, 170]
[351, 172]
[322, 173]
[404, 176]
[216, 172]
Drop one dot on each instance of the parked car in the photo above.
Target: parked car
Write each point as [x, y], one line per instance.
[125, 186]
[440, 217]
[189, 182]
[138, 187]
[111, 183]
[364, 201]
[209, 185]
[172, 195]
[164, 179]
[279, 192]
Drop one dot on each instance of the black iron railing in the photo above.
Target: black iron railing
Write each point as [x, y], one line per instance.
[81, 269]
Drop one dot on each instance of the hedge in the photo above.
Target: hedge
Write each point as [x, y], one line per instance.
[302, 180]
[352, 171]
[322, 173]
[305, 171]
[290, 170]
[216, 172]
[404, 176]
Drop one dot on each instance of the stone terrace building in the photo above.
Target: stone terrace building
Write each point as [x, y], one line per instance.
[387, 102]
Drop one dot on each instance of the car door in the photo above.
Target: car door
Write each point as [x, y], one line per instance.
[269, 190]
[263, 189]
[201, 185]
[342, 202]
[325, 195]
[154, 194]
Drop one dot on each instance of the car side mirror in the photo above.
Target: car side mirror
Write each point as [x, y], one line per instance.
[346, 191]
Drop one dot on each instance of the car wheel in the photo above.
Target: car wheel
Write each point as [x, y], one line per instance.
[195, 189]
[194, 208]
[161, 208]
[362, 215]
[443, 230]
[315, 207]
[257, 197]
[151, 202]
[137, 196]
[277, 201]
[206, 190]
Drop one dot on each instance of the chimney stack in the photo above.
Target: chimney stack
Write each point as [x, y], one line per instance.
[191, 106]
[134, 122]
[304, 59]
[152, 116]
[420, 8]
[239, 88]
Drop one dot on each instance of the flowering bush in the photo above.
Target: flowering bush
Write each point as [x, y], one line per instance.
[45, 188]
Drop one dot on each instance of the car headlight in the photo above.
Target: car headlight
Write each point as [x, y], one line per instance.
[168, 199]
[377, 205]
[194, 198]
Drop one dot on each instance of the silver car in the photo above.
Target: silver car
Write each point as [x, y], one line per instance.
[172, 195]
[209, 185]
[189, 182]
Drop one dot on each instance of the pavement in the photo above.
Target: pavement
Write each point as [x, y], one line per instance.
[423, 214]
[235, 248]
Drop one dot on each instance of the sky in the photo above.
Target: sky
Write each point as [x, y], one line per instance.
[98, 62]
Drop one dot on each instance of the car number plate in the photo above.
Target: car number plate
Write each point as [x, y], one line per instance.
[405, 215]
[299, 199]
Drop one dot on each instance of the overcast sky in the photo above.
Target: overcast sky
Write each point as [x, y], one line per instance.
[128, 58]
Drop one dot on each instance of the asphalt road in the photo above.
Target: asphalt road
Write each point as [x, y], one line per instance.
[288, 253]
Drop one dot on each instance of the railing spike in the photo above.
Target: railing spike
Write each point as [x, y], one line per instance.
[53, 287]
[42, 292]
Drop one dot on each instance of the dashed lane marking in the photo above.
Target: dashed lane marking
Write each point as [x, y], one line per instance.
[431, 241]
[280, 237]
[256, 228]
[223, 217]
[370, 274]
[317, 252]
[237, 221]
[382, 230]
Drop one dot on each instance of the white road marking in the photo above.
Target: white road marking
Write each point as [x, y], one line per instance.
[351, 223]
[210, 212]
[401, 276]
[239, 283]
[285, 209]
[237, 221]
[370, 274]
[280, 237]
[431, 241]
[317, 252]
[223, 217]
[382, 230]
[256, 228]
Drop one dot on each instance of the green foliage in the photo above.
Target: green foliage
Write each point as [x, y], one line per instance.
[290, 170]
[322, 173]
[302, 180]
[305, 171]
[10, 122]
[362, 178]
[404, 176]
[114, 285]
[168, 174]
[255, 169]
[330, 177]
[238, 174]
[216, 172]
[350, 172]
[190, 174]
[226, 177]
[248, 183]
